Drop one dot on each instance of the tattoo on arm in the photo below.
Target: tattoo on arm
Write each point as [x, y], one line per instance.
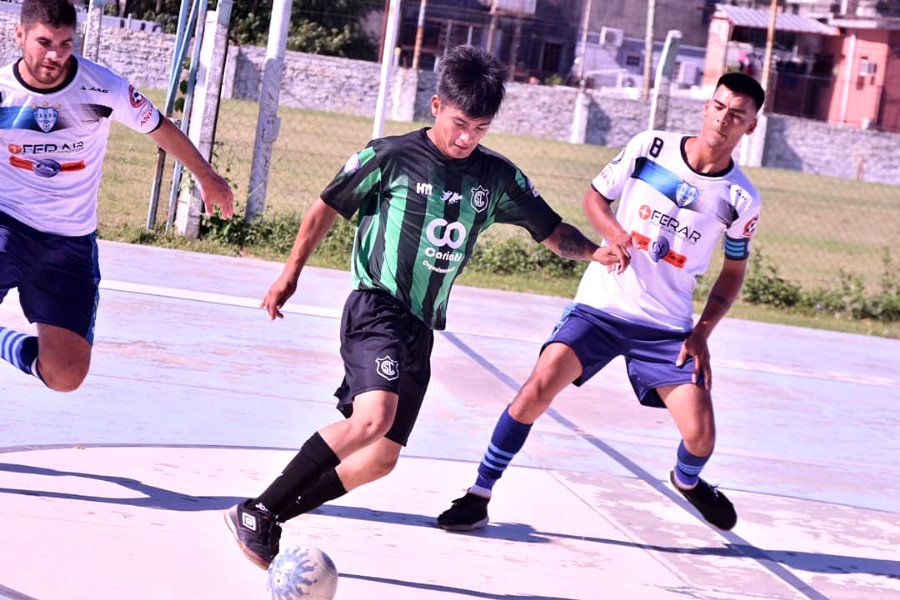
[572, 243]
[719, 299]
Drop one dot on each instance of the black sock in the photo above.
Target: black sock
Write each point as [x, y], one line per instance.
[315, 458]
[326, 489]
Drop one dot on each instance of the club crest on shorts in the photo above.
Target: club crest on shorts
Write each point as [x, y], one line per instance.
[387, 367]
[46, 117]
[480, 198]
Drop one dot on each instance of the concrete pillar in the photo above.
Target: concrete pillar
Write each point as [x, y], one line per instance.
[92, 27]
[268, 123]
[580, 117]
[213, 52]
[752, 148]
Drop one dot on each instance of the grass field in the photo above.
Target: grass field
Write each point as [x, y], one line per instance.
[812, 227]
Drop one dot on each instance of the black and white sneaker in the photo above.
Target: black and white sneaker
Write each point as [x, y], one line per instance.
[466, 513]
[255, 531]
[712, 504]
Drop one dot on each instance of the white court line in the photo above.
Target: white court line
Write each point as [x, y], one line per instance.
[333, 313]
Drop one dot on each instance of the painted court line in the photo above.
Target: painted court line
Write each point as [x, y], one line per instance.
[333, 313]
[759, 556]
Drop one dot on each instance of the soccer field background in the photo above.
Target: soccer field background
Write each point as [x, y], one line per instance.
[813, 228]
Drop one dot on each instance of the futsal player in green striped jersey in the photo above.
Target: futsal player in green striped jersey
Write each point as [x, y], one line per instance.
[420, 200]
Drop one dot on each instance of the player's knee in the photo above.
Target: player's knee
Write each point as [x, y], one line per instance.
[700, 439]
[64, 380]
[367, 428]
[531, 401]
[383, 465]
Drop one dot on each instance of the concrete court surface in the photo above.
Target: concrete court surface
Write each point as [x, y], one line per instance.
[196, 400]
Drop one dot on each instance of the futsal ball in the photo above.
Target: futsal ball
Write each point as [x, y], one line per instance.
[302, 574]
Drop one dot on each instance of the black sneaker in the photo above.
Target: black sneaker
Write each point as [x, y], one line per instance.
[255, 531]
[712, 504]
[466, 514]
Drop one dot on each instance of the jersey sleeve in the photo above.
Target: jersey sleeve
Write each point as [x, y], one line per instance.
[356, 180]
[610, 181]
[135, 111]
[522, 205]
[746, 204]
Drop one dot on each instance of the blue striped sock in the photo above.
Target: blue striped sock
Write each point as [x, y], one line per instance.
[688, 466]
[18, 349]
[508, 438]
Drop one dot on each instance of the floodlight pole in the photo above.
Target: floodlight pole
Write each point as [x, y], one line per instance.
[268, 123]
[420, 34]
[648, 48]
[387, 59]
[770, 42]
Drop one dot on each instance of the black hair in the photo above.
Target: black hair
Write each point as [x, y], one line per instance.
[741, 83]
[52, 13]
[473, 80]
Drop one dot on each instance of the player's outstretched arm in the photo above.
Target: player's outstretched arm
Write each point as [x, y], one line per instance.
[214, 189]
[599, 214]
[315, 224]
[567, 241]
[722, 295]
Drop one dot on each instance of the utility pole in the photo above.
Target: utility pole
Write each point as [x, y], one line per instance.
[770, 42]
[648, 48]
[492, 27]
[585, 25]
[420, 34]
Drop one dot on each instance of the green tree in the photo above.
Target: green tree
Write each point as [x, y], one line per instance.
[329, 27]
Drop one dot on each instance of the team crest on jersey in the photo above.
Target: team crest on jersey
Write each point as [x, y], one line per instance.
[135, 97]
[480, 198]
[387, 367]
[686, 194]
[46, 117]
[352, 164]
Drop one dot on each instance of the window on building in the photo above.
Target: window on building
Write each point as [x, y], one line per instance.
[551, 56]
[632, 60]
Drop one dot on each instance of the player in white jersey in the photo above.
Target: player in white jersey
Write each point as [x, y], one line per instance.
[54, 118]
[678, 196]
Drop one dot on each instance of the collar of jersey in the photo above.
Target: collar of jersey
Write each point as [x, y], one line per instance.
[440, 155]
[69, 78]
[684, 157]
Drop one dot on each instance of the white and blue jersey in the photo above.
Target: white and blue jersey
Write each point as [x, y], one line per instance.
[54, 141]
[676, 218]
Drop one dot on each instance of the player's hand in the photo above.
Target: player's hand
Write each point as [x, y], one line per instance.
[215, 191]
[616, 257]
[283, 288]
[695, 346]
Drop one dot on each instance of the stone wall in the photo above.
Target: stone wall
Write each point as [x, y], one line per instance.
[351, 86]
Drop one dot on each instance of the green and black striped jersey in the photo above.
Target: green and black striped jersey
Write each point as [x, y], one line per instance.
[420, 214]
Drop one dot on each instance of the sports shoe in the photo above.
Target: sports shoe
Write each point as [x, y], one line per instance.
[466, 514]
[712, 504]
[255, 531]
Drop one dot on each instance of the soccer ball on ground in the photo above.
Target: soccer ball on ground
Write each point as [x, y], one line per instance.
[302, 574]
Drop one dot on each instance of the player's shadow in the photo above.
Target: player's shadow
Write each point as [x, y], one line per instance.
[153, 497]
[449, 589]
[815, 562]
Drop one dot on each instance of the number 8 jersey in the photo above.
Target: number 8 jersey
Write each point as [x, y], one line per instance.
[676, 217]
[54, 141]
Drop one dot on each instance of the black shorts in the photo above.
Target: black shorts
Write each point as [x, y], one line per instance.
[58, 276]
[384, 347]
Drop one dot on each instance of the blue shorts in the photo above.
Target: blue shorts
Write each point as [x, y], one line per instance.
[597, 337]
[58, 276]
